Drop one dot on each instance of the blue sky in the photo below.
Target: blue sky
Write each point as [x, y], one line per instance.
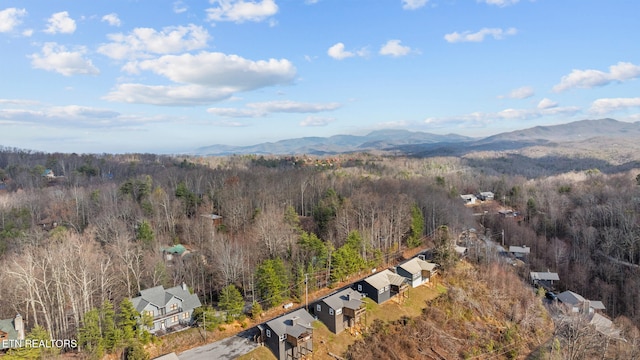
[170, 76]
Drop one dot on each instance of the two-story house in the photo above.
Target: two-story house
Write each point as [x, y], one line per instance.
[289, 336]
[341, 310]
[382, 286]
[170, 308]
[417, 271]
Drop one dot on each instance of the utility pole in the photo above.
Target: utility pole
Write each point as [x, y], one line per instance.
[306, 291]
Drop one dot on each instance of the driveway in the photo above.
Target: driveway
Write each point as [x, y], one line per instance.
[225, 349]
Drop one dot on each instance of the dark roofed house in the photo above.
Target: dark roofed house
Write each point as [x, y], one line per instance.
[289, 336]
[486, 195]
[576, 303]
[520, 251]
[11, 330]
[341, 310]
[417, 271]
[544, 279]
[382, 286]
[171, 308]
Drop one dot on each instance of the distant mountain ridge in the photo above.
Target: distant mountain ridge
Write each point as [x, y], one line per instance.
[383, 140]
[423, 144]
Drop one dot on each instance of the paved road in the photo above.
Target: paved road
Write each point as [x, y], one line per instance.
[225, 349]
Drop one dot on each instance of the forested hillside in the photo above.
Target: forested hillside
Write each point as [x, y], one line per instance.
[93, 230]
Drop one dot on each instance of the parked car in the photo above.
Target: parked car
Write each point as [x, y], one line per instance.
[551, 296]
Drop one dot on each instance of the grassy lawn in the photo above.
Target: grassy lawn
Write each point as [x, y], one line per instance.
[261, 353]
[325, 342]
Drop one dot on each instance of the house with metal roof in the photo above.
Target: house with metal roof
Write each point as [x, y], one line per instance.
[341, 310]
[289, 336]
[171, 309]
[417, 271]
[544, 279]
[576, 303]
[519, 251]
[11, 332]
[382, 286]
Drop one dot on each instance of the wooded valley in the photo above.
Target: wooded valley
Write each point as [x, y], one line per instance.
[99, 227]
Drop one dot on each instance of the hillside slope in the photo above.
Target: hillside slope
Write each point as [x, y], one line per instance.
[487, 312]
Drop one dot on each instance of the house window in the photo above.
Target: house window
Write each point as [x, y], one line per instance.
[185, 315]
[381, 291]
[318, 307]
[339, 311]
[149, 313]
[330, 311]
[174, 318]
[283, 337]
[174, 307]
[268, 333]
[359, 287]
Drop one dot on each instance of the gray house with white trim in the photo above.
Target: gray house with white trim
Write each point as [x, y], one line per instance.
[341, 310]
[11, 331]
[382, 286]
[289, 336]
[170, 309]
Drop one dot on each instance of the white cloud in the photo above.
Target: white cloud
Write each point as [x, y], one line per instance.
[142, 42]
[413, 4]
[10, 18]
[219, 70]
[393, 48]
[501, 3]
[547, 104]
[70, 115]
[169, 95]
[338, 52]
[479, 36]
[61, 23]
[179, 7]
[311, 2]
[608, 105]
[27, 32]
[264, 108]
[482, 118]
[240, 11]
[519, 93]
[57, 58]
[209, 77]
[112, 19]
[587, 79]
[316, 121]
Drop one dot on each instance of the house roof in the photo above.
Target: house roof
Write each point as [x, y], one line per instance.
[384, 278]
[598, 305]
[176, 249]
[212, 216]
[468, 197]
[416, 265]
[520, 249]
[548, 276]
[460, 250]
[159, 297]
[7, 326]
[569, 297]
[486, 193]
[347, 298]
[286, 324]
[603, 325]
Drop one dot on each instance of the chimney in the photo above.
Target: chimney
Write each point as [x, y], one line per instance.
[294, 320]
[184, 287]
[18, 324]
